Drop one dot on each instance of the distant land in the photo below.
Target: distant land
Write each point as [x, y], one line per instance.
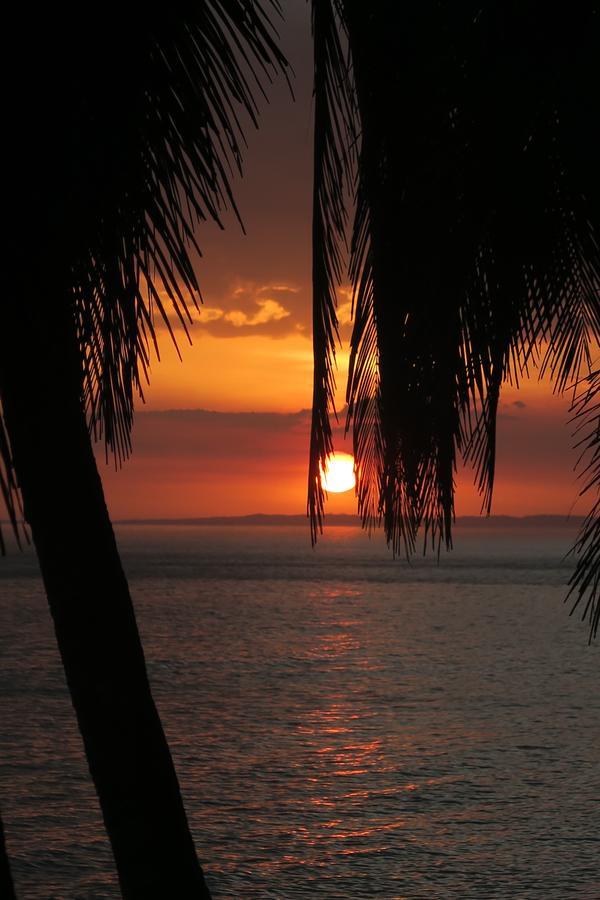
[349, 521]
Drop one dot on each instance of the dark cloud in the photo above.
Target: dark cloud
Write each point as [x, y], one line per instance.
[201, 462]
[218, 436]
[506, 410]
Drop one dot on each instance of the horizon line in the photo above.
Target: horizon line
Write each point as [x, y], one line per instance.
[349, 519]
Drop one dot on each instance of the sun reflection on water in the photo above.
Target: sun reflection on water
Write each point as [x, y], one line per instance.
[342, 739]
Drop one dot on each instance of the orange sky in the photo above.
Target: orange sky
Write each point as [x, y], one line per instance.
[226, 431]
[229, 461]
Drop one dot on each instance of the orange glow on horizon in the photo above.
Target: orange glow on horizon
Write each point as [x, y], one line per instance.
[226, 432]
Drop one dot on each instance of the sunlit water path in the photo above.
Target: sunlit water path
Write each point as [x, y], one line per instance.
[343, 725]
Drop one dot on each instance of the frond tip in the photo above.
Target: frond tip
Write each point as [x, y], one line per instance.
[9, 491]
[585, 583]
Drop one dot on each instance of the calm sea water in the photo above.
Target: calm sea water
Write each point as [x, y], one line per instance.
[343, 725]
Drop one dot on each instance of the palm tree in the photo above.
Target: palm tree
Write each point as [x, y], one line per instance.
[123, 133]
[472, 135]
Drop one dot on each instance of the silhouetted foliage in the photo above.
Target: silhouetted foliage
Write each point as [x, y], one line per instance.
[585, 583]
[124, 132]
[125, 140]
[475, 244]
[333, 156]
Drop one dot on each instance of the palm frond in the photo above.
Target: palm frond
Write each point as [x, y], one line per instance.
[362, 393]
[573, 322]
[9, 491]
[201, 70]
[473, 241]
[142, 128]
[585, 582]
[410, 385]
[333, 158]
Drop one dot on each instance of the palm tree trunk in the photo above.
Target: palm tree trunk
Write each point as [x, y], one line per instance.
[7, 889]
[128, 756]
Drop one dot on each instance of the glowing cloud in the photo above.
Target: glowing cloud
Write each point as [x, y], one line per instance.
[268, 311]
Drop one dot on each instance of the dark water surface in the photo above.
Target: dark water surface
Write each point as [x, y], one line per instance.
[343, 725]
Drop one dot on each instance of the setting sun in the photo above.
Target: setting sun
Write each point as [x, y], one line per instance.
[338, 475]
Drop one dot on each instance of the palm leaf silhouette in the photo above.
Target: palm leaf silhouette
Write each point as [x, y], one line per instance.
[124, 134]
[147, 146]
[475, 242]
[335, 120]
[585, 583]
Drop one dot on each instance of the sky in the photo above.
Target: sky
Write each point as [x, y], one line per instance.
[224, 431]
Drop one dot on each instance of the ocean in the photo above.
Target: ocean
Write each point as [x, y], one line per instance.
[344, 725]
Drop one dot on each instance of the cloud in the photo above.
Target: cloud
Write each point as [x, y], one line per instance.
[265, 311]
[208, 314]
[247, 308]
[200, 433]
[507, 410]
[220, 439]
[200, 462]
[268, 311]
[273, 309]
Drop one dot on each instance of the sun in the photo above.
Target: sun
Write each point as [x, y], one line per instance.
[339, 475]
